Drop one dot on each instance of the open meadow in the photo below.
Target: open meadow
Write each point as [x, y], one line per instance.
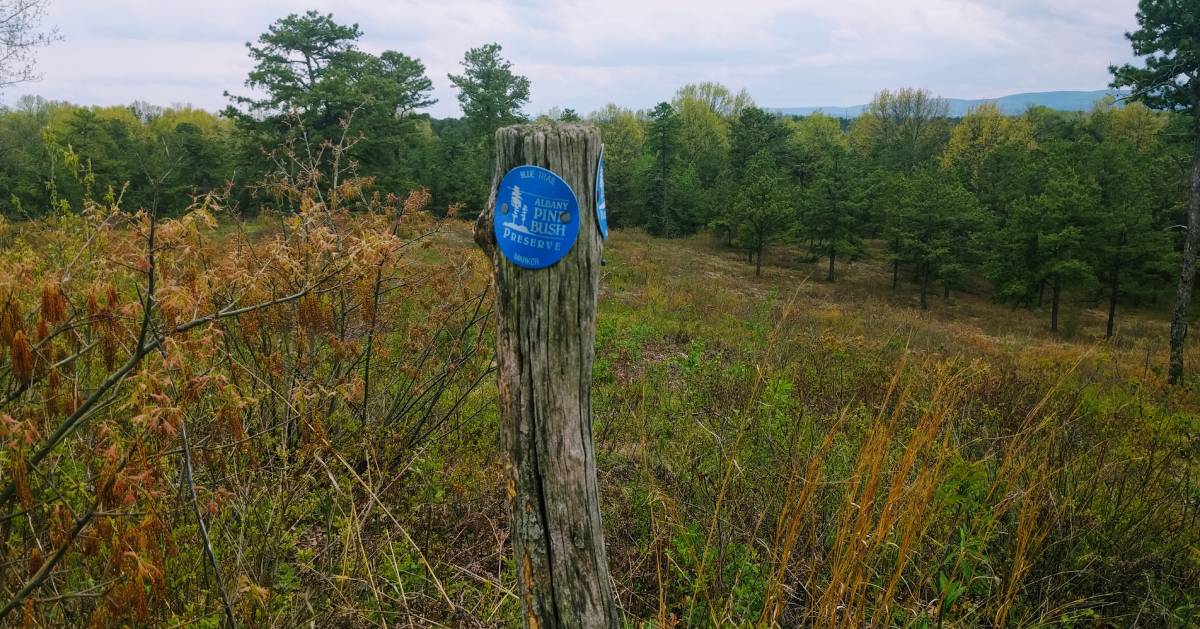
[771, 450]
[612, 315]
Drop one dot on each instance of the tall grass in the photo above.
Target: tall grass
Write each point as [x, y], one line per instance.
[798, 473]
[771, 452]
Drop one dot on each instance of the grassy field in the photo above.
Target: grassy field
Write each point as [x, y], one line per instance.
[773, 451]
[803, 452]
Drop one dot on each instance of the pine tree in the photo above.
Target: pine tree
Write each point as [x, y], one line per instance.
[1131, 251]
[1046, 243]
[1169, 42]
[490, 92]
[833, 203]
[763, 207]
[935, 226]
[662, 142]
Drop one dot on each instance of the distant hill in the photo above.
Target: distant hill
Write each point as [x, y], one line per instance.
[1012, 104]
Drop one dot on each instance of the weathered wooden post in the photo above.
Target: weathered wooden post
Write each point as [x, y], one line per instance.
[546, 275]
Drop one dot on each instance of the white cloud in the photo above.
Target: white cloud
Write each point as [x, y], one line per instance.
[634, 52]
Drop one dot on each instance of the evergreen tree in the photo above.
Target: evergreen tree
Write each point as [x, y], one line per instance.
[833, 203]
[754, 131]
[1168, 40]
[457, 168]
[687, 195]
[1045, 244]
[490, 93]
[1062, 215]
[302, 64]
[935, 226]
[763, 207]
[662, 141]
[197, 165]
[1131, 252]
[317, 84]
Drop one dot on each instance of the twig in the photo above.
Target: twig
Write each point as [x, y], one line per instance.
[71, 423]
[388, 513]
[208, 549]
[44, 572]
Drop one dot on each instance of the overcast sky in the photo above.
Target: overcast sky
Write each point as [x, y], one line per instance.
[583, 54]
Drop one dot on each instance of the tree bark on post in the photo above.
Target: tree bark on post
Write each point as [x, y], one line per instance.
[545, 344]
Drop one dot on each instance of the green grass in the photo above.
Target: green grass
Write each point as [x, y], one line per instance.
[713, 386]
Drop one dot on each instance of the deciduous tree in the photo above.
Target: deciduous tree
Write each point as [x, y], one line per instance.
[905, 128]
[989, 154]
[624, 136]
[704, 128]
[20, 36]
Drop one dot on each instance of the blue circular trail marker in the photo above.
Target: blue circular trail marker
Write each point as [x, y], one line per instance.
[537, 217]
[601, 208]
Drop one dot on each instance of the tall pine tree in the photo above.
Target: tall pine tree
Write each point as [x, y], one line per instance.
[1169, 42]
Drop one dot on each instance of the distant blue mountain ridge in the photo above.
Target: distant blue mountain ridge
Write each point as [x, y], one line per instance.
[1012, 104]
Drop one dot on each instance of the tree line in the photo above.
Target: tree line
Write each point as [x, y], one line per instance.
[1027, 206]
[313, 88]
[1044, 207]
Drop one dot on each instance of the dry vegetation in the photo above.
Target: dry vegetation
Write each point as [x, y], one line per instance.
[807, 453]
[301, 429]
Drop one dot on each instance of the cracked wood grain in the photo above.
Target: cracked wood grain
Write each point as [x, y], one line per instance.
[545, 338]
